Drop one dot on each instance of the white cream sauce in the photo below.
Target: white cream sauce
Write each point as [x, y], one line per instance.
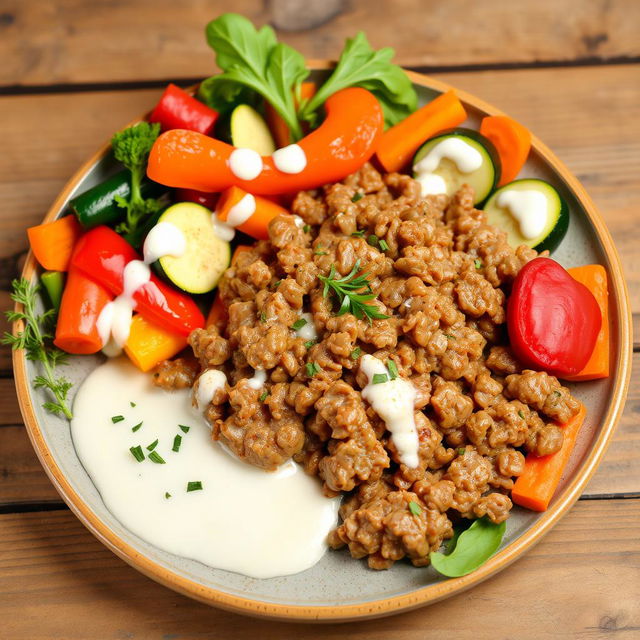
[245, 164]
[290, 159]
[208, 384]
[308, 331]
[243, 520]
[528, 207]
[238, 214]
[394, 402]
[114, 321]
[462, 154]
[258, 380]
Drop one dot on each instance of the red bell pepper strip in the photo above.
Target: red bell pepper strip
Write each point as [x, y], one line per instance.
[102, 255]
[342, 144]
[178, 110]
[77, 325]
[553, 320]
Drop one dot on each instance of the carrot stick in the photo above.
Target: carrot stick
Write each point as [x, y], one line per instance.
[512, 142]
[241, 248]
[77, 327]
[52, 243]
[148, 344]
[257, 225]
[541, 476]
[594, 277]
[400, 142]
[217, 314]
[278, 127]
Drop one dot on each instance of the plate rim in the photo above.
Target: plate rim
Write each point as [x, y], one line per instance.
[393, 604]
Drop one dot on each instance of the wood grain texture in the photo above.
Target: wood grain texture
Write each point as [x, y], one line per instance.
[22, 479]
[65, 584]
[66, 41]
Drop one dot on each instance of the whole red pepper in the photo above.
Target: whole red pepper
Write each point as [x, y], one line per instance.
[553, 320]
[339, 146]
[102, 255]
[178, 110]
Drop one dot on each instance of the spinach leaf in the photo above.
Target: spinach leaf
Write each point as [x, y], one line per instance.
[474, 547]
[360, 65]
[253, 59]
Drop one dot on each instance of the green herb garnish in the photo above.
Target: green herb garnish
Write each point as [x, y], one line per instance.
[355, 354]
[277, 283]
[393, 369]
[477, 263]
[373, 240]
[298, 324]
[357, 196]
[132, 404]
[309, 343]
[415, 509]
[358, 234]
[167, 495]
[154, 456]
[184, 428]
[137, 453]
[448, 335]
[312, 368]
[347, 292]
[194, 486]
[263, 396]
[379, 378]
[521, 413]
[116, 419]
[131, 146]
[177, 441]
[153, 445]
[461, 451]
[136, 427]
[383, 245]
[263, 316]
[320, 251]
[36, 339]
[306, 228]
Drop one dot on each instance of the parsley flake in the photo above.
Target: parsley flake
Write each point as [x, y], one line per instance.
[312, 368]
[478, 263]
[263, 396]
[319, 251]
[520, 413]
[415, 509]
[167, 495]
[358, 234]
[194, 486]
[309, 343]
[184, 428]
[263, 316]
[461, 451]
[356, 353]
[357, 196]
[132, 404]
[298, 324]
[380, 378]
[306, 228]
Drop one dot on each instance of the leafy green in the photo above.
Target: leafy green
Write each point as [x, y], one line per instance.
[362, 66]
[131, 146]
[36, 339]
[473, 548]
[252, 59]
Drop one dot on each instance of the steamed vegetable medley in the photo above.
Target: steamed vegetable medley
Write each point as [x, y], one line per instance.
[134, 263]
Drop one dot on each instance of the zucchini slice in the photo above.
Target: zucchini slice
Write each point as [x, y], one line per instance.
[531, 211]
[206, 255]
[456, 157]
[245, 128]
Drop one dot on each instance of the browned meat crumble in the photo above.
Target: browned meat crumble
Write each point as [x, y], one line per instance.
[443, 282]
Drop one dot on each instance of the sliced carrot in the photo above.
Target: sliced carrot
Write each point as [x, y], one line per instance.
[278, 127]
[400, 142]
[541, 476]
[52, 243]
[512, 142]
[257, 225]
[218, 313]
[241, 248]
[149, 344]
[81, 305]
[594, 277]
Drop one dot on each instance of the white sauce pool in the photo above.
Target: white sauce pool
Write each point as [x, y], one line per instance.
[208, 383]
[258, 380]
[393, 401]
[308, 331]
[290, 159]
[165, 239]
[245, 164]
[244, 520]
[241, 211]
[528, 207]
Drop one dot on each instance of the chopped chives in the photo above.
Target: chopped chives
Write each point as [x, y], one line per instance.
[448, 335]
[461, 451]
[263, 316]
[312, 368]
[415, 509]
[154, 456]
[263, 396]
[115, 419]
[277, 283]
[373, 240]
[357, 196]
[320, 252]
[358, 234]
[167, 495]
[306, 228]
[194, 486]
[309, 343]
[153, 445]
[298, 324]
[177, 441]
[132, 404]
[137, 453]
[184, 428]
[520, 413]
[136, 427]
[383, 245]
[393, 369]
[355, 354]
[477, 263]
[379, 378]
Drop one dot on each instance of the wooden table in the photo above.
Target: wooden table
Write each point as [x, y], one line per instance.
[74, 71]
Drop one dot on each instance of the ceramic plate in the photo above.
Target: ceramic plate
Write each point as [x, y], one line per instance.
[338, 587]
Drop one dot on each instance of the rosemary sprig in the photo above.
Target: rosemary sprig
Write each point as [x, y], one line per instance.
[353, 293]
[36, 339]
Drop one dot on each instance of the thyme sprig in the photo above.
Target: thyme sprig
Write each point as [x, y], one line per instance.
[353, 293]
[36, 339]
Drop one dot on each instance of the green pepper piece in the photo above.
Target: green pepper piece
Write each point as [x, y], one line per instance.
[98, 206]
[53, 283]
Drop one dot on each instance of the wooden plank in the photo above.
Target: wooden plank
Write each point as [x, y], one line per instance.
[24, 481]
[67, 585]
[69, 41]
